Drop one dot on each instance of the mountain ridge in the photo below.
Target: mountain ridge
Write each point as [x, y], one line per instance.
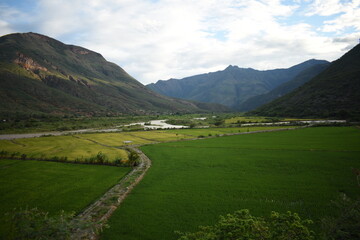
[334, 93]
[41, 75]
[300, 79]
[230, 86]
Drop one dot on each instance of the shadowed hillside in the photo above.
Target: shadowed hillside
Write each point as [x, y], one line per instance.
[303, 77]
[40, 76]
[333, 93]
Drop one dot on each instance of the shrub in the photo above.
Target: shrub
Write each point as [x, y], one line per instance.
[37, 224]
[118, 161]
[346, 224]
[133, 158]
[101, 158]
[4, 154]
[242, 225]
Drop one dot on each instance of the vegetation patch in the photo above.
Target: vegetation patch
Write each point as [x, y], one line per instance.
[191, 183]
[223, 131]
[60, 146]
[52, 186]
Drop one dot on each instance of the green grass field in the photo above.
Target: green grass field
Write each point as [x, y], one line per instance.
[193, 133]
[88, 145]
[52, 186]
[136, 137]
[239, 119]
[191, 183]
[71, 147]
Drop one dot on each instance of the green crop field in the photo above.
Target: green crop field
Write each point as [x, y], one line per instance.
[246, 119]
[87, 145]
[220, 131]
[71, 147]
[52, 186]
[136, 137]
[191, 183]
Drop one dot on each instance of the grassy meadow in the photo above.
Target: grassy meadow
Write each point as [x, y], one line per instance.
[191, 183]
[72, 147]
[52, 186]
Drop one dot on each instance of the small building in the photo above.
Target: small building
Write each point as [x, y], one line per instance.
[127, 142]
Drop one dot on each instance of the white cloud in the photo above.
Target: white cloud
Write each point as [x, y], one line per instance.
[177, 38]
[346, 14]
[327, 7]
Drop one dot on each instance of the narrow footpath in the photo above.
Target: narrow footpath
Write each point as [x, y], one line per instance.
[101, 210]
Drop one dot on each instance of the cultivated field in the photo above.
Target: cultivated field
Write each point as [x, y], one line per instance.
[81, 146]
[193, 133]
[72, 147]
[191, 183]
[52, 186]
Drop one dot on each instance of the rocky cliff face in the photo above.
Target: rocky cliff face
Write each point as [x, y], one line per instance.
[28, 63]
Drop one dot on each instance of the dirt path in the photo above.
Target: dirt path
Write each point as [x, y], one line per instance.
[101, 210]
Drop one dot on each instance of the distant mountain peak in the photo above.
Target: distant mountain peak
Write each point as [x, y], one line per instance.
[231, 67]
[229, 87]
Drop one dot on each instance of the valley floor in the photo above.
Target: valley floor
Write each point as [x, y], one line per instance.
[190, 183]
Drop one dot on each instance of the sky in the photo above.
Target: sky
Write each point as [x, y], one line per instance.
[162, 39]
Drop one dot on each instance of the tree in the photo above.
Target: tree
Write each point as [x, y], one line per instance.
[133, 157]
[101, 157]
[241, 225]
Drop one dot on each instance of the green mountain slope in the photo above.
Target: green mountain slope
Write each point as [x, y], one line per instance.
[40, 75]
[229, 87]
[335, 92]
[303, 77]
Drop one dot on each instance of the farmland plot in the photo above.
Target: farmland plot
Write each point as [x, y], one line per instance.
[192, 183]
[52, 186]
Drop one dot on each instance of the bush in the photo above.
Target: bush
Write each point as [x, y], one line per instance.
[118, 161]
[242, 225]
[4, 154]
[346, 224]
[36, 224]
[101, 158]
[133, 158]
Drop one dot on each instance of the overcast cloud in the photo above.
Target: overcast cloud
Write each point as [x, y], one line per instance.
[162, 39]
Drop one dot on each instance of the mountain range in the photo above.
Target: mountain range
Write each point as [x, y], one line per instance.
[40, 76]
[234, 86]
[300, 79]
[334, 93]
